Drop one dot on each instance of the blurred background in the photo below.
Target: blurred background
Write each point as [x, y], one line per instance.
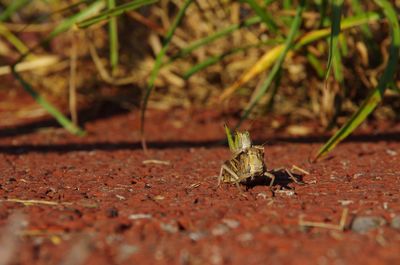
[79, 55]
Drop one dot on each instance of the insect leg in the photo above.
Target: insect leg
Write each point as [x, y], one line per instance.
[292, 177]
[230, 171]
[294, 167]
[271, 176]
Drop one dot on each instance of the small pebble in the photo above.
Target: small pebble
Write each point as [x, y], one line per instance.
[195, 236]
[125, 251]
[170, 228]
[363, 224]
[345, 202]
[120, 197]
[231, 223]
[245, 237]
[219, 230]
[396, 222]
[391, 152]
[288, 193]
[139, 216]
[262, 195]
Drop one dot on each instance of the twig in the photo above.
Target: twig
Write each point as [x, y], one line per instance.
[155, 161]
[339, 226]
[32, 202]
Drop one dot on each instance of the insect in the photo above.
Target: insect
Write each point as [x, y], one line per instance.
[247, 162]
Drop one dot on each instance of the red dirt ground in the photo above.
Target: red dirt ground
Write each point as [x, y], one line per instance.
[114, 209]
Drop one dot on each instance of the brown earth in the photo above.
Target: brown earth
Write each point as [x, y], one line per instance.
[108, 205]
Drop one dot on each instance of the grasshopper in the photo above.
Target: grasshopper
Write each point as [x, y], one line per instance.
[247, 162]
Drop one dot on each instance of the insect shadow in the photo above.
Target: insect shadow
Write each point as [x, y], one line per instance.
[282, 179]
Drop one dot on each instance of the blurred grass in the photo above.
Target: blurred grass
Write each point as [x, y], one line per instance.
[263, 15]
[377, 94]
[207, 54]
[334, 38]
[113, 35]
[275, 69]
[231, 142]
[157, 66]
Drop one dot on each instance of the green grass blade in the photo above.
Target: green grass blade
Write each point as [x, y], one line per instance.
[215, 36]
[228, 133]
[118, 10]
[215, 59]
[113, 38]
[287, 4]
[14, 40]
[346, 24]
[271, 101]
[266, 18]
[337, 65]
[72, 20]
[13, 7]
[357, 8]
[274, 71]
[322, 6]
[208, 62]
[316, 64]
[61, 118]
[157, 66]
[343, 45]
[335, 30]
[376, 96]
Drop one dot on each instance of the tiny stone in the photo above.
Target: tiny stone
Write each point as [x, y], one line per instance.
[396, 222]
[159, 198]
[120, 197]
[362, 224]
[391, 152]
[170, 228]
[245, 237]
[112, 212]
[345, 202]
[286, 192]
[139, 216]
[195, 236]
[262, 195]
[231, 223]
[220, 230]
[125, 251]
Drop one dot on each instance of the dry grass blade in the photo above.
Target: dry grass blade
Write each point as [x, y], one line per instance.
[266, 61]
[157, 162]
[33, 202]
[44, 61]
